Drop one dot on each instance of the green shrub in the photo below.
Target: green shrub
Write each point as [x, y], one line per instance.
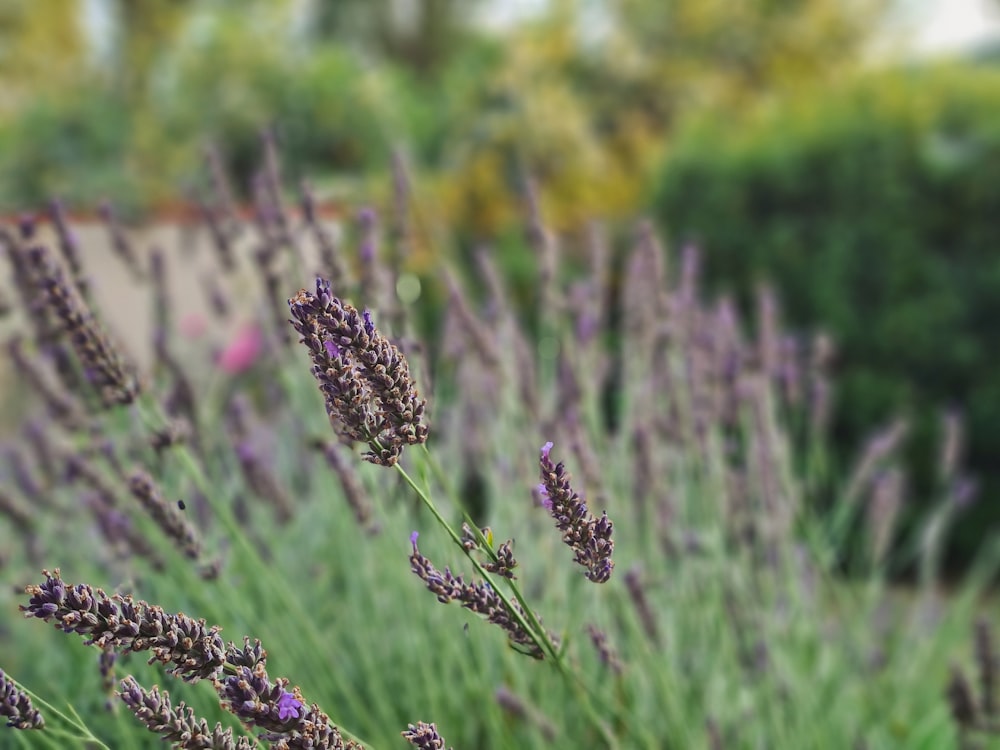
[70, 144]
[329, 112]
[873, 210]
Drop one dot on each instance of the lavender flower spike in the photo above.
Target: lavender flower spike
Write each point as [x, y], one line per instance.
[178, 725]
[588, 537]
[370, 395]
[190, 649]
[15, 706]
[112, 375]
[172, 523]
[288, 723]
[424, 736]
[478, 597]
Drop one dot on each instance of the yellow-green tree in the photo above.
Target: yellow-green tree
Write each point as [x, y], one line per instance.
[419, 34]
[146, 31]
[585, 97]
[42, 46]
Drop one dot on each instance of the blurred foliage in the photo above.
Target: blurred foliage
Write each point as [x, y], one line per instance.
[422, 40]
[872, 207]
[148, 29]
[67, 143]
[38, 50]
[222, 81]
[230, 80]
[583, 96]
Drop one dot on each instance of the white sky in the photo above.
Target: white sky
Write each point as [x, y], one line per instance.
[947, 25]
[937, 26]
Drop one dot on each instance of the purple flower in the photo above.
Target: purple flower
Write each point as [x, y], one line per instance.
[413, 539]
[366, 382]
[478, 597]
[544, 495]
[289, 707]
[15, 706]
[107, 370]
[964, 491]
[588, 537]
[424, 736]
[191, 649]
[369, 323]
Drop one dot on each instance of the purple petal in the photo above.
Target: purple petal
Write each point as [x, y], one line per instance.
[289, 707]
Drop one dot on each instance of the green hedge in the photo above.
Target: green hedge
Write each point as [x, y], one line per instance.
[84, 145]
[67, 144]
[875, 210]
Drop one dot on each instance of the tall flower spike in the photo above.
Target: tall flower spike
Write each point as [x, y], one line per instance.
[354, 493]
[177, 725]
[476, 597]
[171, 522]
[112, 376]
[370, 395]
[193, 650]
[588, 537]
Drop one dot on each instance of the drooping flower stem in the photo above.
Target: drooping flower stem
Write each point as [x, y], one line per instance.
[84, 734]
[271, 580]
[190, 650]
[523, 615]
[537, 634]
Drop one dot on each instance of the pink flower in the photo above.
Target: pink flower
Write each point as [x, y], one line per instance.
[193, 325]
[241, 351]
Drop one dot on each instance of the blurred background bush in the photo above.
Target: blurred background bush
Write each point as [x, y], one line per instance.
[871, 207]
[796, 140]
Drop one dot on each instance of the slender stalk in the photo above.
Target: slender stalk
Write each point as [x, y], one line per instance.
[276, 585]
[528, 620]
[50, 710]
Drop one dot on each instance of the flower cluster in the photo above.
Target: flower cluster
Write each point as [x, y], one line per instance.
[178, 725]
[424, 736]
[170, 521]
[259, 703]
[15, 706]
[112, 376]
[502, 562]
[505, 563]
[477, 597]
[193, 650]
[365, 380]
[588, 537]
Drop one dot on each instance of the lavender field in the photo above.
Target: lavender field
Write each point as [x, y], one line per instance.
[255, 492]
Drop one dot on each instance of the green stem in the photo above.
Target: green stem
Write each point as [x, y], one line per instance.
[75, 721]
[526, 618]
[276, 585]
[540, 638]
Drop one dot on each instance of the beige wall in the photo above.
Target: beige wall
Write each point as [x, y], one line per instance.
[126, 304]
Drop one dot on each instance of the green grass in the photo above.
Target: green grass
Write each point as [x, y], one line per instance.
[761, 641]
